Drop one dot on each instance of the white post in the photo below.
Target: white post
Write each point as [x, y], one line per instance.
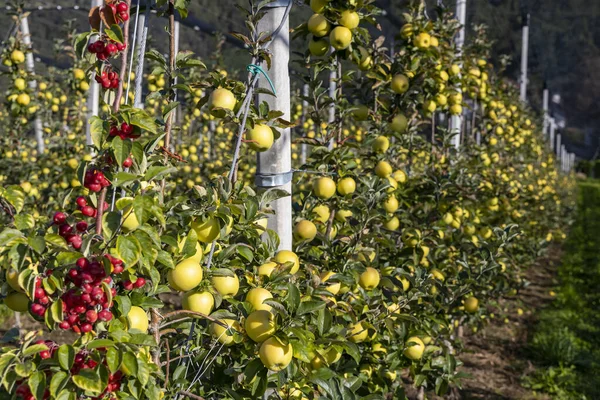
[93, 102]
[274, 165]
[572, 161]
[456, 121]
[524, 51]
[304, 107]
[552, 132]
[332, 91]
[177, 111]
[545, 101]
[140, 45]
[29, 65]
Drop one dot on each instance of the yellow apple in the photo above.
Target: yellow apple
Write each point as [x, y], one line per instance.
[318, 25]
[202, 302]
[260, 325]
[340, 37]
[399, 84]
[349, 19]
[260, 138]
[186, 275]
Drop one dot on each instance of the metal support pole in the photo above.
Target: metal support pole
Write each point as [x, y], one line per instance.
[558, 144]
[176, 34]
[545, 101]
[332, 92]
[140, 45]
[552, 132]
[456, 121]
[304, 107]
[93, 101]
[524, 51]
[29, 65]
[274, 166]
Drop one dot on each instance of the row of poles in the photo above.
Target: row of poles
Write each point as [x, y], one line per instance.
[274, 169]
[565, 158]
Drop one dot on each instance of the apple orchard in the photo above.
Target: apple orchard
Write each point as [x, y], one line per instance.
[143, 257]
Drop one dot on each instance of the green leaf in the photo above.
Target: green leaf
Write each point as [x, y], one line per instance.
[144, 121]
[55, 240]
[292, 298]
[15, 196]
[245, 252]
[25, 368]
[10, 234]
[121, 149]
[310, 306]
[130, 364]
[142, 206]
[24, 221]
[114, 357]
[89, 380]
[121, 178]
[165, 259]
[68, 257]
[94, 344]
[111, 221]
[66, 394]
[129, 250]
[97, 128]
[37, 384]
[80, 46]
[189, 247]
[34, 349]
[115, 33]
[158, 171]
[253, 368]
[37, 243]
[169, 108]
[260, 384]
[324, 320]
[66, 356]
[56, 311]
[143, 373]
[182, 7]
[58, 382]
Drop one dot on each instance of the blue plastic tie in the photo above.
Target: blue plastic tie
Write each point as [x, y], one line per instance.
[255, 69]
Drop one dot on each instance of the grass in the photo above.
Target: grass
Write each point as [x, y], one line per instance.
[566, 342]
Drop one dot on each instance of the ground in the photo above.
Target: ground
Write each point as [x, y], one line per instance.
[496, 357]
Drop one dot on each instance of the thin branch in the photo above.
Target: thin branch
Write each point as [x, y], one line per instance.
[100, 211]
[190, 395]
[195, 314]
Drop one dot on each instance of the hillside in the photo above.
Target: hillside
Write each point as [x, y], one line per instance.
[568, 28]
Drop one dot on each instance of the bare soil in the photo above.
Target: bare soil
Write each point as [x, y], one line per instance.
[495, 357]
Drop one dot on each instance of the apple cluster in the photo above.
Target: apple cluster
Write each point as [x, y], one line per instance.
[87, 210]
[108, 79]
[125, 131]
[95, 180]
[72, 236]
[120, 11]
[41, 301]
[83, 360]
[105, 48]
[86, 300]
